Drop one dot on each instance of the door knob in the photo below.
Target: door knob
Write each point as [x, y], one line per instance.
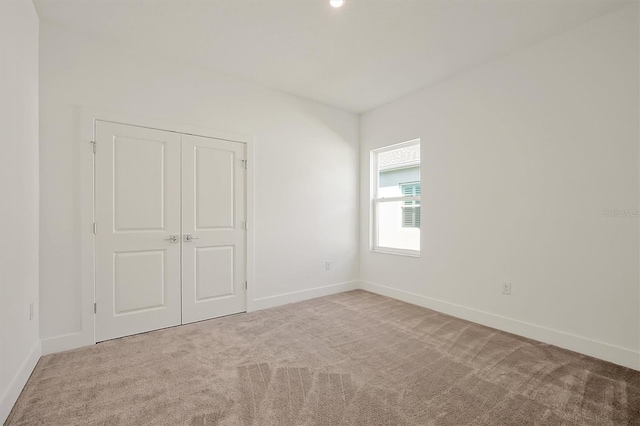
[189, 237]
[172, 238]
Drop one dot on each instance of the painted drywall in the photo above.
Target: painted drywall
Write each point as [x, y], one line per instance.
[529, 176]
[19, 338]
[306, 166]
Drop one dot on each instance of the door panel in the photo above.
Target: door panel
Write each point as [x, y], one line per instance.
[139, 282]
[213, 203]
[138, 184]
[214, 272]
[214, 178]
[137, 178]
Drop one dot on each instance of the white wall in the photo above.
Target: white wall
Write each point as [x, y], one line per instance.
[306, 168]
[19, 339]
[520, 159]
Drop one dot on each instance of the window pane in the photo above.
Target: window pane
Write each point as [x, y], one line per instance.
[397, 168]
[398, 225]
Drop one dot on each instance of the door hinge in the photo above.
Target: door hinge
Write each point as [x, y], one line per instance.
[95, 228]
[95, 308]
[245, 225]
[93, 143]
[244, 162]
[246, 286]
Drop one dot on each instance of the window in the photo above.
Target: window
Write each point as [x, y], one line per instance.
[395, 211]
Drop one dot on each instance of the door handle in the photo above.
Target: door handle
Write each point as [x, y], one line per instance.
[172, 238]
[189, 237]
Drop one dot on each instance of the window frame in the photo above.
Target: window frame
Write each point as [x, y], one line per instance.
[375, 201]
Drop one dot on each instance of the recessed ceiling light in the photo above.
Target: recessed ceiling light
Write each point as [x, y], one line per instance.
[336, 3]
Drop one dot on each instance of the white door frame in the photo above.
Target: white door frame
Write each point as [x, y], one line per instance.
[88, 116]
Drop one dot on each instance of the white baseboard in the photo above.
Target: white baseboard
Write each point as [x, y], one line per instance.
[617, 355]
[77, 340]
[66, 342]
[17, 384]
[297, 296]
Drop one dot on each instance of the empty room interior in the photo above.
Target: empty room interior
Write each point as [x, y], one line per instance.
[212, 214]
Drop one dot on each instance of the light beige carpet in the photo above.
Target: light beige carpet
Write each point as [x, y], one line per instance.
[349, 359]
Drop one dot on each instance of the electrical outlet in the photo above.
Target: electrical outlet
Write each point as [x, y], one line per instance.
[30, 311]
[327, 265]
[506, 288]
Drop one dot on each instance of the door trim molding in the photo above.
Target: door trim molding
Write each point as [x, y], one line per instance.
[88, 116]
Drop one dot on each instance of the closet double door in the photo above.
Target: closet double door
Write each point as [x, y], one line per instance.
[170, 229]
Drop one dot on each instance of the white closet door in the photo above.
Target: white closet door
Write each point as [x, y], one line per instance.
[213, 243]
[137, 172]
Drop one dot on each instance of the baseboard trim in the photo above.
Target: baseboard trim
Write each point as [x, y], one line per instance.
[65, 342]
[615, 354]
[17, 384]
[297, 296]
[77, 340]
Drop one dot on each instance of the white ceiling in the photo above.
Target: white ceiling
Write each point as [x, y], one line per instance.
[358, 57]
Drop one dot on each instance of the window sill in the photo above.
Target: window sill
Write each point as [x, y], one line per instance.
[397, 252]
